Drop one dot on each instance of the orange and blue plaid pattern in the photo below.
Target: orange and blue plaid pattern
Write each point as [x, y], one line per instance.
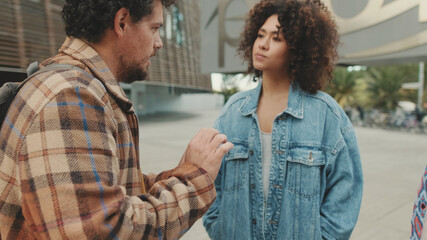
[418, 220]
[69, 162]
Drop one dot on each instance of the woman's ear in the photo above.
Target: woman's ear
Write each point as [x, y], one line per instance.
[120, 21]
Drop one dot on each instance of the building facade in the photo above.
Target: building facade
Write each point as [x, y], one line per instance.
[32, 30]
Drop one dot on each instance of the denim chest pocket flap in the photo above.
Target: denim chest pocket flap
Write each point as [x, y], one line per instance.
[235, 168]
[304, 169]
[239, 151]
[309, 157]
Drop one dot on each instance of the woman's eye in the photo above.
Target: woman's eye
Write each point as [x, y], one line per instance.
[260, 36]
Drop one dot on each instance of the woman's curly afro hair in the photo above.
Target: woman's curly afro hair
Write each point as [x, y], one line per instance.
[88, 19]
[311, 37]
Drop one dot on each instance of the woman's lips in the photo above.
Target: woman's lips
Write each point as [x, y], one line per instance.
[260, 56]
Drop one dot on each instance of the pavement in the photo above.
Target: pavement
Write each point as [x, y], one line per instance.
[393, 163]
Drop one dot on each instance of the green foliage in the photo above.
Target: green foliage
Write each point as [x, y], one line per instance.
[377, 87]
[229, 92]
[343, 86]
[384, 86]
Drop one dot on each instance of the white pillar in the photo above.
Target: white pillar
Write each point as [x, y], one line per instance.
[420, 86]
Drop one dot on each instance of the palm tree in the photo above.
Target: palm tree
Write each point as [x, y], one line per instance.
[343, 86]
[384, 85]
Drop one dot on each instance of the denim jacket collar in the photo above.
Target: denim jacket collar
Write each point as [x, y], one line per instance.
[295, 101]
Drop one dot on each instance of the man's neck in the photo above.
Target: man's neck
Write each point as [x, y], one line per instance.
[106, 51]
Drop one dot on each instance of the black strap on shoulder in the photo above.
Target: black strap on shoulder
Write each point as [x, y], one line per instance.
[10, 89]
[33, 69]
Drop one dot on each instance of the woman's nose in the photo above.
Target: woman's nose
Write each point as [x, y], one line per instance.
[264, 44]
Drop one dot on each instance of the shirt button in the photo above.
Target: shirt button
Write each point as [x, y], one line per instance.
[253, 220]
[273, 222]
[253, 186]
[251, 152]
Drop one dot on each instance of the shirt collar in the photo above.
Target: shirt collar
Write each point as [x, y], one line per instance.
[83, 52]
[295, 101]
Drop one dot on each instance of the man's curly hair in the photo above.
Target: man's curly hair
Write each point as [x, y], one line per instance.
[89, 19]
[311, 37]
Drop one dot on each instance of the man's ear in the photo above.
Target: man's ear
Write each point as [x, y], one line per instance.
[120, 21]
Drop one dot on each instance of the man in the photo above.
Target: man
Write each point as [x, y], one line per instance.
[69, 161]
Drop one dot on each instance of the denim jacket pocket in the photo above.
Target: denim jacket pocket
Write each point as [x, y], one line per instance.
[235, 166]
[304, 166]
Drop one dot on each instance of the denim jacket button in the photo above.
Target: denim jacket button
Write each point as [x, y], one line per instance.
[253, 220]
[251, 152]
[310, 157]
[253, 186]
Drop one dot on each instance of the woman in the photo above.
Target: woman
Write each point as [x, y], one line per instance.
[294, 171]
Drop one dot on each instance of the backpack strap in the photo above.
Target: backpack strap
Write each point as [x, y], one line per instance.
[33, 69]
[10, 89]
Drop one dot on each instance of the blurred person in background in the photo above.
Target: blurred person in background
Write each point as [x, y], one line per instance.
[295, 169]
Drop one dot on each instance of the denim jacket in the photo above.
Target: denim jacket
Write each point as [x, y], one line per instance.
[315, 184]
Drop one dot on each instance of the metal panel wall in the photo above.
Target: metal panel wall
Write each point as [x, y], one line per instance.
[28, 31]
[178, 63]
[10, 55]
[32, 30]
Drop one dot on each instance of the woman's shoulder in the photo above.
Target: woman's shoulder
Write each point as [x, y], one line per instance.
[237, 99]
[330, 103]
[235, 103]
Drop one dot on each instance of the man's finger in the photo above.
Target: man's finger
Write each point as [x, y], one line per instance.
[205, 135]
[223, 149]
[217, 140]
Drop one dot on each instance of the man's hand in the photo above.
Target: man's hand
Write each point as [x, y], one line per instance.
[206, 150]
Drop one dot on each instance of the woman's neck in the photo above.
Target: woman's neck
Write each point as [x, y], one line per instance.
[273, 99]
[275, 84]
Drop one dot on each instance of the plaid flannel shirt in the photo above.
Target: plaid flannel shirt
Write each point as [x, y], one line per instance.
[69, 162]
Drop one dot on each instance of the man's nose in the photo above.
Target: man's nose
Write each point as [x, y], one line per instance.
[158, 42]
